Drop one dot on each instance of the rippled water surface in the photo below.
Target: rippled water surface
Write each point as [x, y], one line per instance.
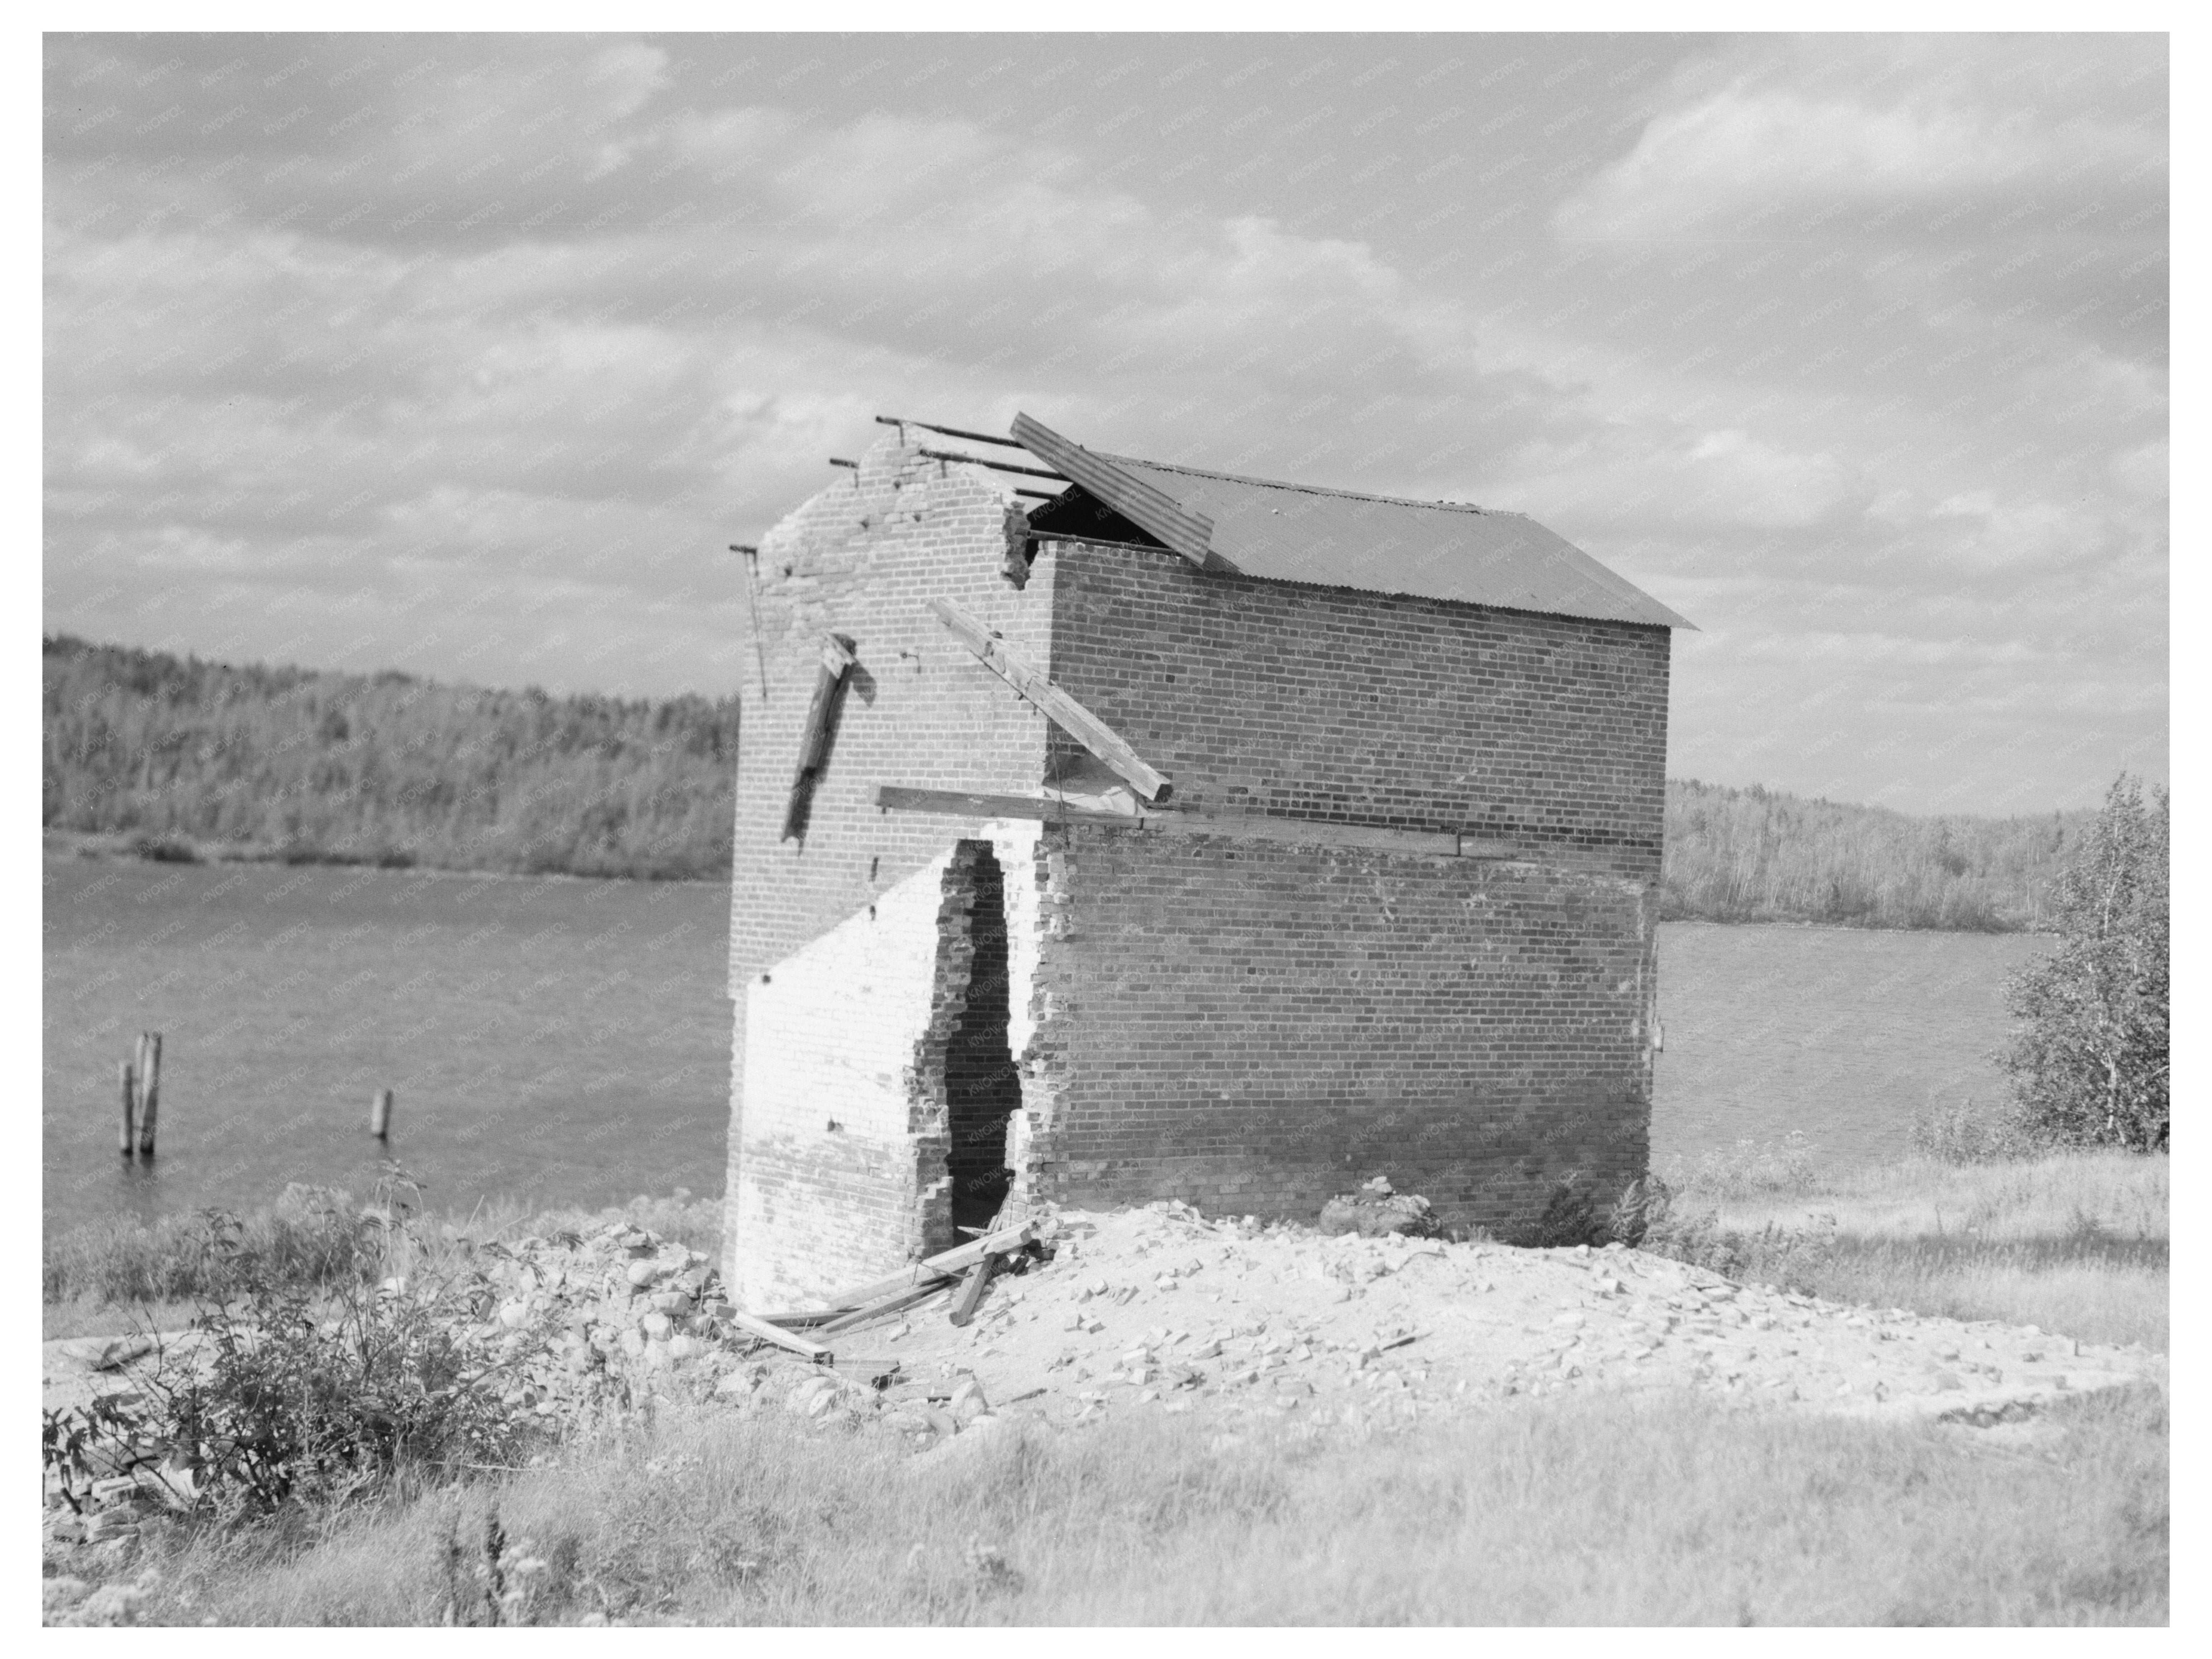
[568, 1041]
[1843, 1033]
[560, 1040]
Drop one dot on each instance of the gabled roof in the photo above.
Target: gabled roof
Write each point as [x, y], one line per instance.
[1336, 538]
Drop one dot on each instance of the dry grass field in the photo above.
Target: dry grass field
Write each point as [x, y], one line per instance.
[2074, 1242]
[1576, 1512]
[1659, 1510]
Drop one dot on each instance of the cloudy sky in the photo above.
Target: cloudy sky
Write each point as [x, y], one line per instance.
[469, 356]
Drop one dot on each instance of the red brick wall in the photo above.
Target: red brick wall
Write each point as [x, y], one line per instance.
[1253, 1026]
[1318, 702]
[1256, 1026]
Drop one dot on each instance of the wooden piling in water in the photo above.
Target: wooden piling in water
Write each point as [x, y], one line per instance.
[129, 1111]
[149, 1089]
[379, 1114]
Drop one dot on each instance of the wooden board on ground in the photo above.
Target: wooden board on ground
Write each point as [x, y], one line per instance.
[931, 1269]
[819, 1353]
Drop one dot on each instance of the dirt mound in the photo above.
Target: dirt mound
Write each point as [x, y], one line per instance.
[1162, 1307]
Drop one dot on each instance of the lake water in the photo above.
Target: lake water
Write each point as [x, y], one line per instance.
[1843, 1033]
[558, 1040]
[567, 1041]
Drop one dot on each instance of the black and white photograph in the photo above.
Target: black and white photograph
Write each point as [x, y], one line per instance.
[1184, 820]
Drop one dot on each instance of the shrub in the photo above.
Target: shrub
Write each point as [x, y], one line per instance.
[2088, 1056]
[1749, 1167]
[311, 1236]
[1569, 1217]
[165, 849]
[1968, 1133]
[283, 1396]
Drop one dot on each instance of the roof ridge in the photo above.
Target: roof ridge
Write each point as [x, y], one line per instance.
[1312, 489]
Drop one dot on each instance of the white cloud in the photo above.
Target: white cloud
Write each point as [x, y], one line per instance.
[2002, 121]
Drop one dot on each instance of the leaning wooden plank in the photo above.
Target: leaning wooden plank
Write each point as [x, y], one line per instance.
[837, 656]
[1071, 716]
[1190, 533]
[775, 1333]
[883, 1307]
[971, 1293]
[943, 1265]
[960, 804]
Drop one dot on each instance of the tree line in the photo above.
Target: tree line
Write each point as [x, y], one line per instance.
[1757, 855]
[180, 753]
[384, 767]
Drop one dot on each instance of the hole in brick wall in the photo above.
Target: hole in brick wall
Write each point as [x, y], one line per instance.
[983, 1090]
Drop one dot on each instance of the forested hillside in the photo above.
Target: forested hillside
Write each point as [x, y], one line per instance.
[1753, 855]
[385, 768]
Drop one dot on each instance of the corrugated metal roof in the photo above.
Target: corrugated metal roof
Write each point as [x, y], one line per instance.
[1383, 544]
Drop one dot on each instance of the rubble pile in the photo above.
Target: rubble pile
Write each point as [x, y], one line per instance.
[1162, 1309]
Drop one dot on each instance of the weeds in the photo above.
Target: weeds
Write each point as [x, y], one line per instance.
[1968, 1133]
[281, 1396]
[1488, 1521]
[2074, 1242]
[309, 1237]
[312, 1238]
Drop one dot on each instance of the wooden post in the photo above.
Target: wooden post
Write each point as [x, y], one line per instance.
[379, 1114]
[129, 1111]
[971, 1293]
[149, 1089]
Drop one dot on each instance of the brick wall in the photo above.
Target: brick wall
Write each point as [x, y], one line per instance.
[859, 937]
[1253, 1026]
[1317, 703]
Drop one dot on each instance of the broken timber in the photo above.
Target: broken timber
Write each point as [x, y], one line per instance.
[1071, 716]
[916, 1282]
[971, 1293]
[838, 655]
[1256, 826]
[817, 1352]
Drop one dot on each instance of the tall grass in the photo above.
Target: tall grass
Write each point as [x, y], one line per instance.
[1588, 1511]
[313, 1237]
[2076, 1242]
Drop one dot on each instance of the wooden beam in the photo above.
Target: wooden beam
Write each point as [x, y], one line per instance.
[948, 431]
[960, 804]
[1190, 533]
[819, 1352]
[1250, 826]
[1071, 716]
[837, 656]
[971, 1293]
[996, 467]
[933, 1270]
[883, 1306]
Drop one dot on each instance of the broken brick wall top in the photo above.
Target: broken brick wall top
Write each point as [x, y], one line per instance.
[863, 558]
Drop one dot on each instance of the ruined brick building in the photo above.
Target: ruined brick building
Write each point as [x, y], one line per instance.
[1183, 834]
